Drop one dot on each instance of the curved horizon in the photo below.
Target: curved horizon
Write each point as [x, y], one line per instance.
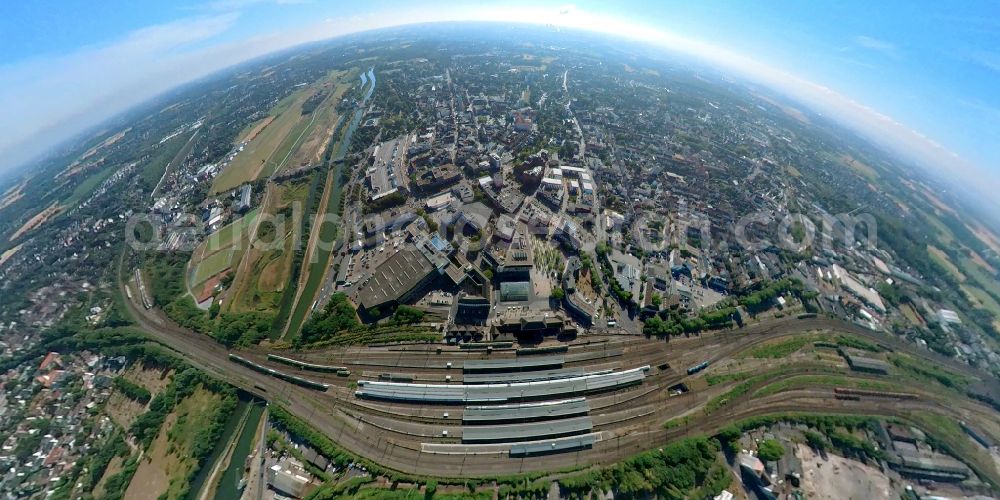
[189, 57]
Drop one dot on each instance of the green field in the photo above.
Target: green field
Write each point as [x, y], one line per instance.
[263, 150]
[823, 380]
[226, 236]
[978, 275]
[169, 156]
[88, 185]
[937, 255]
[983, 298]
[945, 233]
[216, 253]
[263, 273]
[213, 264]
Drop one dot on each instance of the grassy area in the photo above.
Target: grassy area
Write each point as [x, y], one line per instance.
[927, 372]
[823, 380]
[284, 150]
[88, 185]
[261, 270]
[249, 164]
[942, 259]
[293, 273]
[220, 251]
[786, 347]
[323, 120]
[168, 465]
[316, 268]
[862, 169]
[213, 265]
[168, 156]
[291, 135]
[980, 276]
[946, 235]
[227, 235]
[781, 348]
[217, 252]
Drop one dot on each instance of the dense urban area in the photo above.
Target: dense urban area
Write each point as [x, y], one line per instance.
[495, 262]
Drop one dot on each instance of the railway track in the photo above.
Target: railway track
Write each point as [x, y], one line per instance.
[629, 420]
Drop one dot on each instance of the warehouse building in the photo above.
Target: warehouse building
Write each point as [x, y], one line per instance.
[864, 364]
[403, 275]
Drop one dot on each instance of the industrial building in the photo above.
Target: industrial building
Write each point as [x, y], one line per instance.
[865, 364]
[401, 276]
[243, 204]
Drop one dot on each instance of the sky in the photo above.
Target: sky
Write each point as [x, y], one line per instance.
[921, 77]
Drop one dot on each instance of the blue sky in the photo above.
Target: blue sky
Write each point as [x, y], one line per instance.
[926, 71]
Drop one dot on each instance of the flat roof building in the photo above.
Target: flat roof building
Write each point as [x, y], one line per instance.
[440, 201]
[551, 183]
[863, 364]
[244, 202]
[403, 274]
[515, 291]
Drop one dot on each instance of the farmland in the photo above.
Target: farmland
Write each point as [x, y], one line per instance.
[7, 254]
[39, 219]
[13, 194]
[942, 258]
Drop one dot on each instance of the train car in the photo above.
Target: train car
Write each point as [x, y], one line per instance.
[697, 368]
[303, 365]
[846, 391]
[279, 375]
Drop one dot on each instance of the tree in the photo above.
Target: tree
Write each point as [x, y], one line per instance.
[557, 293]
[770, 450]
[815, 440]
[656, 300]
[337, 316]
[406, 315]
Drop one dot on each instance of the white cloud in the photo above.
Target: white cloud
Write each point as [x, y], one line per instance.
[988, 60]
[47, 99]
[886, 48]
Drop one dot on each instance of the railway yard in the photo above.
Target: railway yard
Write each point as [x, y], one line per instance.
[429, 409]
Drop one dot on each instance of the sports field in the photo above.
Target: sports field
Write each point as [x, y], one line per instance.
[217, 252]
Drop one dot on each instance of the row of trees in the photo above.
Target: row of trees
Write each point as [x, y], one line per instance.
[762, 299]
[675, 322]
[132, 390]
